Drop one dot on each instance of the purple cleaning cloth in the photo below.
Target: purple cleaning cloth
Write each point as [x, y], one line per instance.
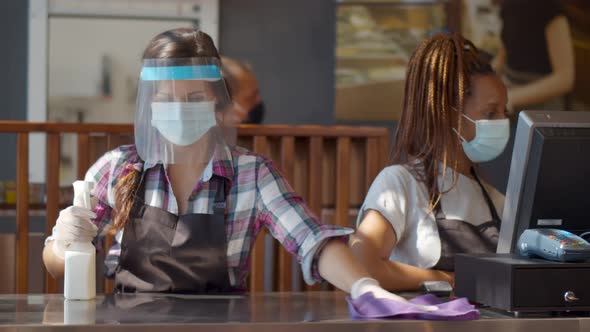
[369, 307]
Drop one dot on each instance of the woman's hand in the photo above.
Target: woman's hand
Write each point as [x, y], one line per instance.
[370, 285]
[74, 225]
[447, 276]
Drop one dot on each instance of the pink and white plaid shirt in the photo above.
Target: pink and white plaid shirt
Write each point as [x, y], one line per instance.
[258, 196]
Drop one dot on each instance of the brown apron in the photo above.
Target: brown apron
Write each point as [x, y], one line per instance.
[458, 236]
[162, 252]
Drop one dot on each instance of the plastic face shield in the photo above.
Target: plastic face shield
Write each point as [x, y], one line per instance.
[182, 111]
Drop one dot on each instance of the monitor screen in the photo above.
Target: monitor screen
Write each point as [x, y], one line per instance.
[549, 181]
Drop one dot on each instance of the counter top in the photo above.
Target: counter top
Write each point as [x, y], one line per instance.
[276, 312]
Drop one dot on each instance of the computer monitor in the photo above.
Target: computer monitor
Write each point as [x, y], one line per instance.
[549, 180]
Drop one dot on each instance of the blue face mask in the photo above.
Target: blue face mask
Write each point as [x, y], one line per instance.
[491, 137]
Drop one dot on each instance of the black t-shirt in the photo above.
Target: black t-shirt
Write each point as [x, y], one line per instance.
[523, 33]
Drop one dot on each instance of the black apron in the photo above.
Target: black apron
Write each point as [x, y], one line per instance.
[458, 236]
[162, 252]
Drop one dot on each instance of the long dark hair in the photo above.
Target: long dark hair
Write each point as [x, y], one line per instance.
[172, 44]
[437, 81]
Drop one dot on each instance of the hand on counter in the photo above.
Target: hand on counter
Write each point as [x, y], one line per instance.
[448, 277]
[370, 285]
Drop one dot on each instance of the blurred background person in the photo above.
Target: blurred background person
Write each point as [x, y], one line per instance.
[536, 55]
[243, 88]
[536, 61]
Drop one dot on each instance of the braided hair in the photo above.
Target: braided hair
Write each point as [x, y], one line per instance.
[438, 80]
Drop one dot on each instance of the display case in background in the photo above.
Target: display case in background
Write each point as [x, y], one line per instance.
[481, 23]
[374, 40]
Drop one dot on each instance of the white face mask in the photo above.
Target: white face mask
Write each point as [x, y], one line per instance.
[183, 123]
[491, 137]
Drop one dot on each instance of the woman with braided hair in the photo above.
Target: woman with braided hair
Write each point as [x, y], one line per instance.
[430, 203]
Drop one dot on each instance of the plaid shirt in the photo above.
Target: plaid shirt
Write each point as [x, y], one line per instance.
[258, 196]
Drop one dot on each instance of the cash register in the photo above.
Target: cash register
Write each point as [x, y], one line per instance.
[542, 261]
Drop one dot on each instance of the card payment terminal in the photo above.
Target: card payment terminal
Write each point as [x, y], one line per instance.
[554, 245]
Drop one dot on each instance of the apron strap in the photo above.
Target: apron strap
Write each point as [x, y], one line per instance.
[491, 206]
[439, 214]
[138, 208]
[219, 203]
[139, 197]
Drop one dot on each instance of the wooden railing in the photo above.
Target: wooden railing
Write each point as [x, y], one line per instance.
[331, 167]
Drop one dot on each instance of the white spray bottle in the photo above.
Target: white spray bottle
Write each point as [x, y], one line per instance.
[80, 257]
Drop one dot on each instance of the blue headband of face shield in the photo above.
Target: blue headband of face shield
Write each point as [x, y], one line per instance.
[172, 73]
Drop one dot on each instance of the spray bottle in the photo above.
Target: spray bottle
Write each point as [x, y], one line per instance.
[80, 257]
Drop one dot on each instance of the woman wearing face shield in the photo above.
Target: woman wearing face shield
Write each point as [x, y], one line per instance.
[431, 203]
[185, 203]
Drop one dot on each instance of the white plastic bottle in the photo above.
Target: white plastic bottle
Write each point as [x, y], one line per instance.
[79, 312]
[80, 257]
